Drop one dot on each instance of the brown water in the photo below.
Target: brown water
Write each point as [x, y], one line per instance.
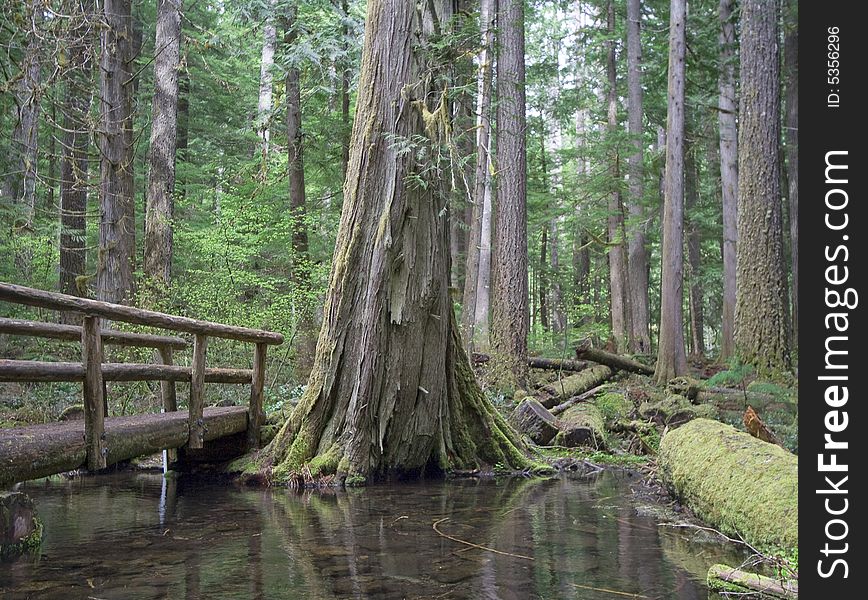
[140, 536]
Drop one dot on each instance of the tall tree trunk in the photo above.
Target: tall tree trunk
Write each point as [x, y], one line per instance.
[761, 319]
[791, 65]
[543, 278]
[697, 339]
[559, 321]
[619, 303]
[726, 117]
[637, 280]
[21, 182]
[345, 89]
[295, 147]
[117, 230]
[391, 392]
[266, 80]
[671, 358]
[183, 128]
[77, 95]
[160, 201]
[474, 305]
[510, 318]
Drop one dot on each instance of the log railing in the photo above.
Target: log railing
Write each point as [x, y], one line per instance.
[93, 372]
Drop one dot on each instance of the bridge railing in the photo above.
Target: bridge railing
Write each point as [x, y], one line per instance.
[93, 372]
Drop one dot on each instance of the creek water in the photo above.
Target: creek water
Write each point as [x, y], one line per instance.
[138, 535]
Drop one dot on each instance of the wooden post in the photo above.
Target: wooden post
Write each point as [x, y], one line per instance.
[170, 399]
[255, 413]
[167, 388]
[94, 407]
[197, 393]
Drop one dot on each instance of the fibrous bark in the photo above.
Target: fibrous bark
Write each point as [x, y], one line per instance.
[117, 241]
[671, 358]
[761, 315]
[391, 392]
[509, 299]
[791, 135]
[295, 146]
[160, 201]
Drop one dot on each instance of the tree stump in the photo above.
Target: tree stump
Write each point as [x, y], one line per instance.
[533, 420]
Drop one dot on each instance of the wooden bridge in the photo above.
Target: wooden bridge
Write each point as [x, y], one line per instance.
[40, 450]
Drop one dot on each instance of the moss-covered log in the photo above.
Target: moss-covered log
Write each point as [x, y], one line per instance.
[533, 420]
[733, 481]
[615, 361]
[722, 578]
[563, 389]
[582, 425]
[674, 411]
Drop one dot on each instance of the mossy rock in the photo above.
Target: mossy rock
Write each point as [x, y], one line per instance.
[72, 413]
[734, 482]
[614, 405]
[675, 410]
[20, 527]
[582, 425]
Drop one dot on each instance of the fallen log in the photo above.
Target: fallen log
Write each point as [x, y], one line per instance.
[536, 362]
[576, 399]
[615, 361]
[556, 364]
[558, 391]
[757, 428]
[582, 425]
[738, 400]
[533, 420]
[722, 578]
[734, 482]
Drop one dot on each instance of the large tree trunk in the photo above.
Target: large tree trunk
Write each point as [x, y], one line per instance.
[160, 202]
[671, 359]
[474, 306]
[791, 64]
[117, 228]
[761, 319]
[726, 117]
[266, 80]
[618, 301]
[77, 96]
[637, 267]
[391, 392]
[697, 325]
[295, 148]
[510, 317]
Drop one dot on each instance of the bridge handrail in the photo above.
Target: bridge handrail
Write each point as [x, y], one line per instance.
[19, 294]
[93, 372]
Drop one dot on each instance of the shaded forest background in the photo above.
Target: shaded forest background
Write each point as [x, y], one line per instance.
[242, 228]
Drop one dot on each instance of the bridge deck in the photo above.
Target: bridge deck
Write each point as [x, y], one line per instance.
[41, 450]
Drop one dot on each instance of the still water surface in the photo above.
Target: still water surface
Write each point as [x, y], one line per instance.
[136, 536]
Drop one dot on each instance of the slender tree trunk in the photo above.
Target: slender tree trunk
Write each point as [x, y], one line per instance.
[640, 338]
[543, 279]
[345, 89]
[671, 358]
[510, 318]
[295, 146]
[761, 319]
[559, 321]
[619, 303]
[116, 263]
[474, 306]
[266, 80]
[391, 392]
[21, 182]
[77, 96]
[791, 64]
[697, 339]
[183, 128]
[160, 201]
[727, 114]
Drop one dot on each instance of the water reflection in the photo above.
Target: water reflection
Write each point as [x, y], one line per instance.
[140, 536]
